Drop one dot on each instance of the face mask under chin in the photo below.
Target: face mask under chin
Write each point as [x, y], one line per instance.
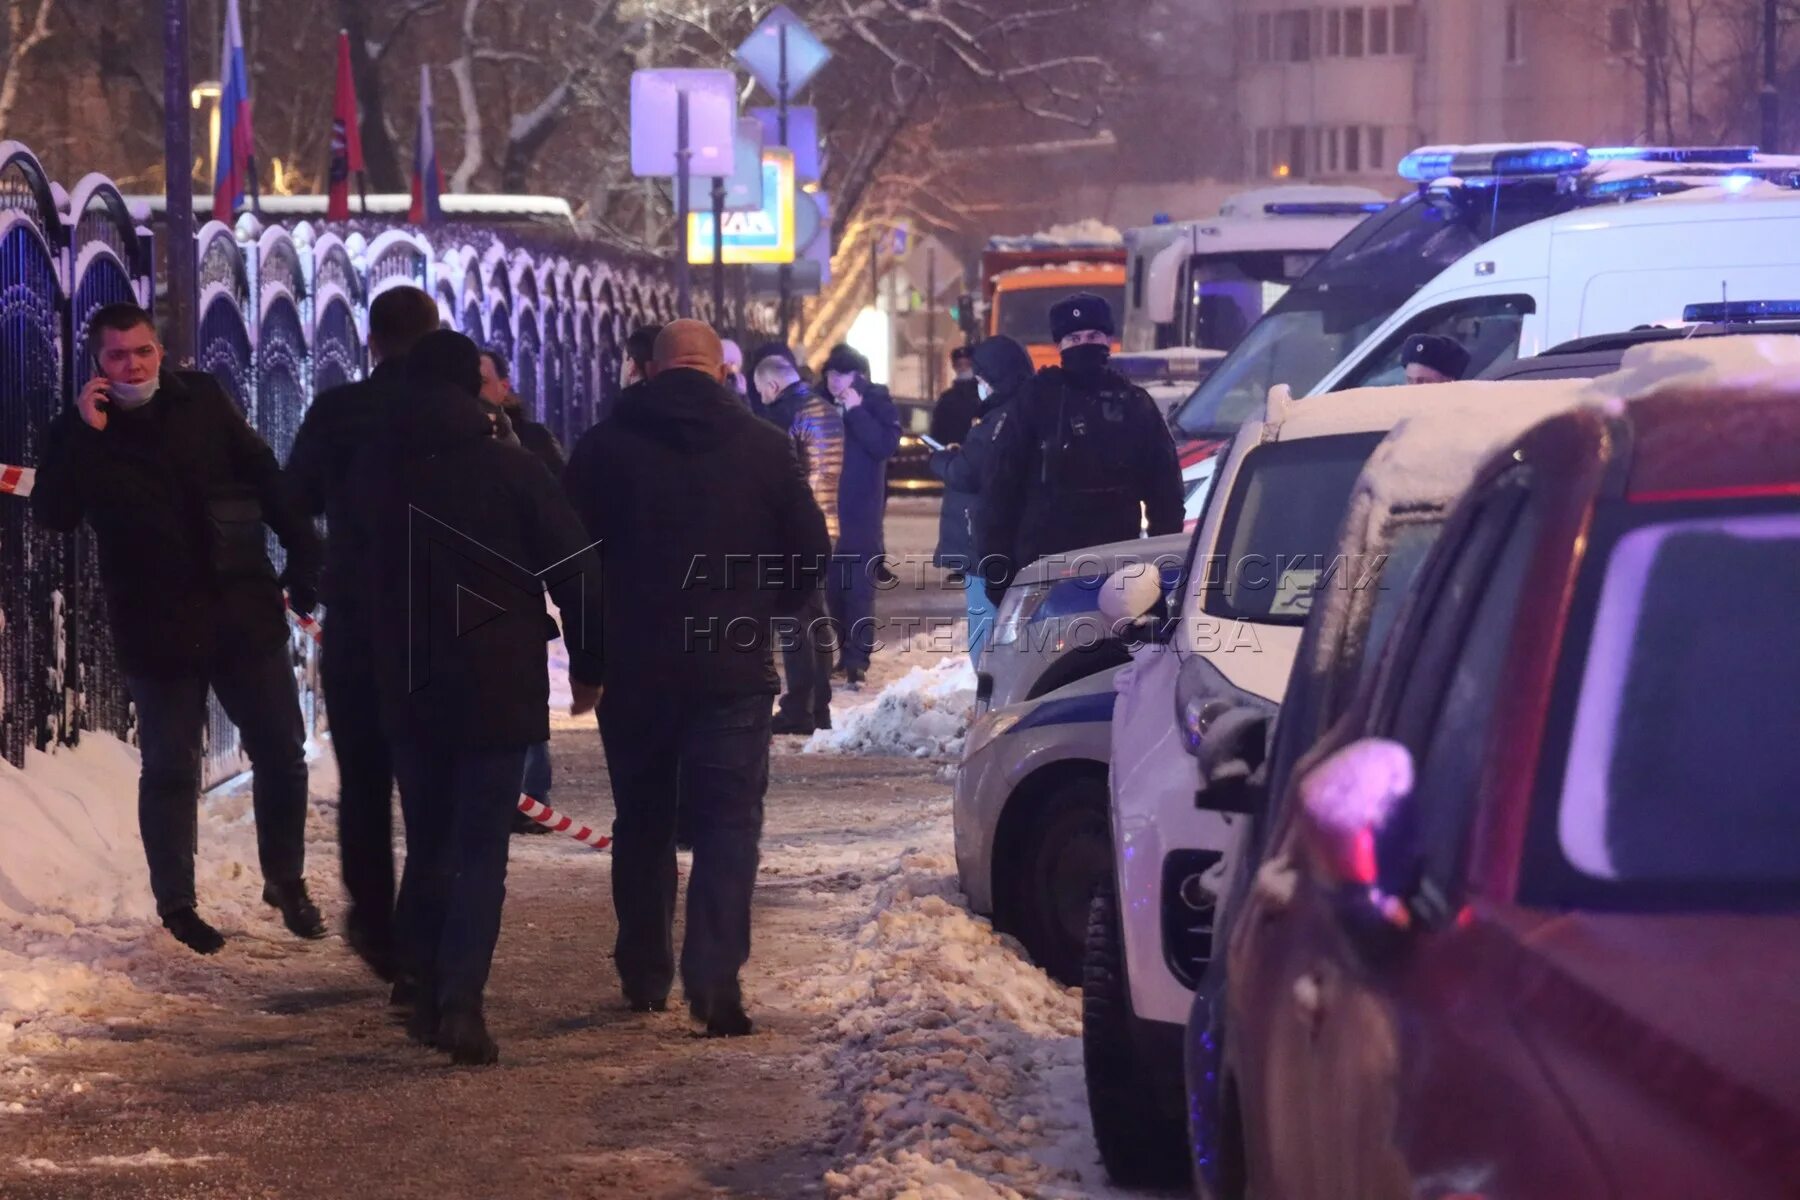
[132, 395]
[1086, 357]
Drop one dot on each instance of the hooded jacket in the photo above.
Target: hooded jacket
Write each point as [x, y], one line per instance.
[464, 533]
[707, 530]
[178, 493]
[1006, 367]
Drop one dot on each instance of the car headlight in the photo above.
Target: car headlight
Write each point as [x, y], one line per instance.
[1016, 610]
[988, 730]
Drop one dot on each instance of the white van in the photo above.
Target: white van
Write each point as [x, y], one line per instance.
[1204, 283]
[1596, 270]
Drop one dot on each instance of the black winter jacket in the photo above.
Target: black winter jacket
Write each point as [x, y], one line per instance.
[178, 493]
[464, 532]
[964, 468]
[691, 497]
[871, 436]
[1079, 462]
[341, 423]
[955, 411]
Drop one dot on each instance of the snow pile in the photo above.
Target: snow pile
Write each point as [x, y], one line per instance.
[80, 943]
[958, 1063]
[923, 714]
[1090, 231]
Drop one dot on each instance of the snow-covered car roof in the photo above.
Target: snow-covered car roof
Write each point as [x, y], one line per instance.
[1730, 362]
[1089, 232]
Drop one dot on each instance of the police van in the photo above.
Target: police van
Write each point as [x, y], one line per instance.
[1585, 219]
[1202, 284]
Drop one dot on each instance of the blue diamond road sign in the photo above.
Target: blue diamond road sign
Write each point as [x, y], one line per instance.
[761, 52]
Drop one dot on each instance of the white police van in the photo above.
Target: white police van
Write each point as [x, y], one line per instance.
[1444, 243]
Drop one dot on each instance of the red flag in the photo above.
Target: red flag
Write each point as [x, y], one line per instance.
[346, 137]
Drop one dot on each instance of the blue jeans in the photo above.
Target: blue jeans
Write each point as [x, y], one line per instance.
[704, 760]
[257, 691]
[459, 805]
[982, 613]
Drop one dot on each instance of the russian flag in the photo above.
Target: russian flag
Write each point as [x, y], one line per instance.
[237, 146]
[427, 177]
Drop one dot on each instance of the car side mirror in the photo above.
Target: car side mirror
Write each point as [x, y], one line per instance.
[1345, 801]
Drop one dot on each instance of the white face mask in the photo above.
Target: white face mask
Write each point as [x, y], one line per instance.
[983, 390]
[132, 395]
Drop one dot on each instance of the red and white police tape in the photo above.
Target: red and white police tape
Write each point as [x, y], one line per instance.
[537, 810]
[16, 481]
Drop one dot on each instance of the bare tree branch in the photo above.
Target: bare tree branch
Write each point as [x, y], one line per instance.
[23, 36]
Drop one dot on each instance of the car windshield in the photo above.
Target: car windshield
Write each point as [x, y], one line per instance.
[1354, 287]
[1678, 786]
[1279, 527]
[1024, 315]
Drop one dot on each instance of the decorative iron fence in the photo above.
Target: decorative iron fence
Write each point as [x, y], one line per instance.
[283, 315]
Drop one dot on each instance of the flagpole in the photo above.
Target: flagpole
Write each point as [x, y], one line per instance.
[178, 168]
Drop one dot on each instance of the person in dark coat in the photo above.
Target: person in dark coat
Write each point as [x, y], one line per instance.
[458, 521]
[633, 370]
[338, 425]
[1002, 372]
[709, 532]
[757, 357]
[806, 638]
[956, 410]
[1083, 460]
[178, 490]
[871, 437]
[497, 393]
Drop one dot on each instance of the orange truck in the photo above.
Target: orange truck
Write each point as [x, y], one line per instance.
[1022, 277]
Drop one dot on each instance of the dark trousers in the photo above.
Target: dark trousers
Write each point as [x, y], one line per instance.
[706, 759]
[258, 693]
[458, 804]
[536, 782]
[807, 644]
[365, 778]
[852, 592]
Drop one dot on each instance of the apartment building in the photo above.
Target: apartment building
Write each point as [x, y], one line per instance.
[1339, 92]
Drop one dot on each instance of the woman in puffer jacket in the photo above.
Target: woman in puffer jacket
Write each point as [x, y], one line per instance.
[1002, 369]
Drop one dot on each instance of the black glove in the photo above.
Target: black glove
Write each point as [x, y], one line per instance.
[302, 597]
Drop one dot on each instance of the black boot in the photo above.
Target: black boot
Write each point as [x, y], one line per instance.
[722, 1012]
[523, 824]
[423, 1024]
[854, 676]
[786, 724]
[188, 929]
[463, 1035]
[298, 912]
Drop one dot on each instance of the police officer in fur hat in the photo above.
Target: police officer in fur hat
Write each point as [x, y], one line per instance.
[1085, 460]
[1432, 358]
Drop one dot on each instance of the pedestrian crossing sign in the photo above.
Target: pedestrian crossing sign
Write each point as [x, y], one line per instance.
[765, 235]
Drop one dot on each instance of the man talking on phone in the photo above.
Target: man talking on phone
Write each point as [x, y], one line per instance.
[178, 489]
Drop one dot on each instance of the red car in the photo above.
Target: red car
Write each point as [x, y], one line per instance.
[1528, 924]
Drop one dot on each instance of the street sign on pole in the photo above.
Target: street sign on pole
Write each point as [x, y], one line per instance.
[764, 236]
[802, 137]
[780, 34]
[683, 123]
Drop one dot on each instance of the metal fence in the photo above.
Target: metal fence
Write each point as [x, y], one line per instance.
[283, 315]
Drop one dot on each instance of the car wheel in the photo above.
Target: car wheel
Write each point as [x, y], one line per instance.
[1140, 1145]
[1066, 856]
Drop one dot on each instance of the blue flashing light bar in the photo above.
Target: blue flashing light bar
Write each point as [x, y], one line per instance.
[1722, 155]
[1324, 208]
[1437, 162]
[1639, 188]
[1741, 312]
